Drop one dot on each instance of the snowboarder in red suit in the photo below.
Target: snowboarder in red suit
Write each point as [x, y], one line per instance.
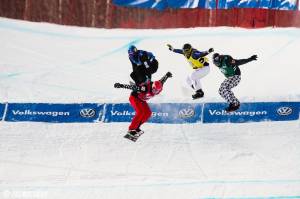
[138, 100]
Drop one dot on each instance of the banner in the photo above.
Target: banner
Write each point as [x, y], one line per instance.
[267, 4]
[251, 112]
[62, 113]
[171, 113]
[2, 109]
[167, 113]
[163, 4]
[209, 4]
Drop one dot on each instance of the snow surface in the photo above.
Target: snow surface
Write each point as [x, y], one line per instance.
[42, 62]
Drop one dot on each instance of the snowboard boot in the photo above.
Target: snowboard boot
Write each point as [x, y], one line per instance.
[133, 133]
[232, 107]
[199, 93]
[139, 131]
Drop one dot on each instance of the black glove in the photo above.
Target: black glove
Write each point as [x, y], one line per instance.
[117, 85]
[169, 74]
[253, 57]
[210, 50]
[170, 47]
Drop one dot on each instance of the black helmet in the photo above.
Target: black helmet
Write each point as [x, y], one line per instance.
[216, 59]
[187, 50]
[215, 55]
[186, 47]
[132, 50]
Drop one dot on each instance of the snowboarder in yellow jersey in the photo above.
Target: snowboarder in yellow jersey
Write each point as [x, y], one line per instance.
[199, 62]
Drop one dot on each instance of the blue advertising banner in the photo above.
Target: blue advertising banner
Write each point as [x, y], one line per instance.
[168, 113]
[171, 113]
[163, 4]
[62, 113]
[251, 112]
[209, 4]
[2, 109]
[267, 4]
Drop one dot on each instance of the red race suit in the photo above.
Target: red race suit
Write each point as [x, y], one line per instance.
[138, 101]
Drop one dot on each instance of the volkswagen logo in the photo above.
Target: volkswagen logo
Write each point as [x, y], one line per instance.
[87, 112]
[284, 110]
[186, 113]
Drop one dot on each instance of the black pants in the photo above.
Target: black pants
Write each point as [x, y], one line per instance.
[143, 72]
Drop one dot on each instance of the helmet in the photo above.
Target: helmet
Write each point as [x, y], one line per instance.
[187, 48]
[157, 87]
[132, 50]
[216, 59]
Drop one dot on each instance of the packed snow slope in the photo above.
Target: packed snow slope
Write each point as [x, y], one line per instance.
[51, 63]
[58, 64]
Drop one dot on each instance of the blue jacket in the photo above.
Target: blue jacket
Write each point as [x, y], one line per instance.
[137, 58]
[196, 54]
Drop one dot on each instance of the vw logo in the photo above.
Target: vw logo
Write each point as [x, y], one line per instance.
[186, 112]
[87, 112]
[284, 110]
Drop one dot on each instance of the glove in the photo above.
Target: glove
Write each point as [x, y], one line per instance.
[170, 47]
[253, 57]
[169, 74]
[117, 85]
[210, 50]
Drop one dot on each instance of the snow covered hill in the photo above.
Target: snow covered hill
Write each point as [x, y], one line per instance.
[46, 63]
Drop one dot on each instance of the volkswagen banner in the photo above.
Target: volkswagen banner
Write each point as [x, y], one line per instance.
[209, 4]
[163, 4]
[2, 109]
[267, 4]
[62, 113]
[251, 112]
[171, 113]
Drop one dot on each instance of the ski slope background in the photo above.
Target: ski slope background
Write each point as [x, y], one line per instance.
[47, 63]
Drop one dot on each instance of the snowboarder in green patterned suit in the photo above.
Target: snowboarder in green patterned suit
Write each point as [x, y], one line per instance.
[230, 68]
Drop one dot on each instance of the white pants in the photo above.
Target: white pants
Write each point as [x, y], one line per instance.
[193, 80]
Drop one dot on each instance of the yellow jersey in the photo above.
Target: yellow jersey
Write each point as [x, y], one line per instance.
[197, 63]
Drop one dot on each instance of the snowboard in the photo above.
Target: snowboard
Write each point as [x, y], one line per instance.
[133, 138]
